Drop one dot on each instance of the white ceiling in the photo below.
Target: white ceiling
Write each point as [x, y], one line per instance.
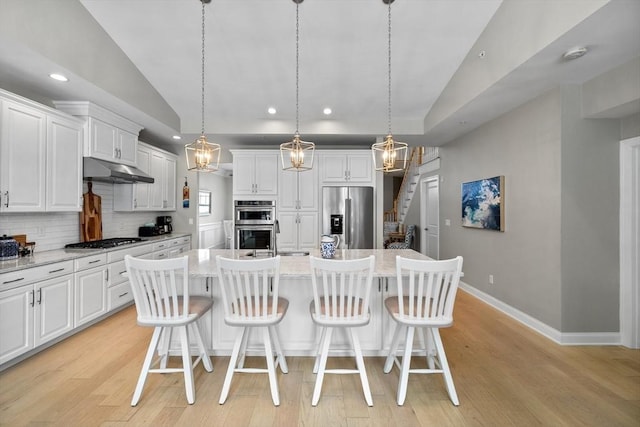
[250, 65]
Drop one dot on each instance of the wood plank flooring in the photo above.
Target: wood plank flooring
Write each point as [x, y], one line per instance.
[505, 375]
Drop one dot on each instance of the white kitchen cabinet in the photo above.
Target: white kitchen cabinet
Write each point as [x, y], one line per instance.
[159, 196]
[118, 285]
[22, 158]
[53, 308]
[169, 187]
[16, 322]
[255, 173]
[64, 165]
[40, 157]
[298, 231]
[163, 190]
[108, 142]
[90, 288]
[346, 167]
[298, 190]
[108, 136]
[38, 310]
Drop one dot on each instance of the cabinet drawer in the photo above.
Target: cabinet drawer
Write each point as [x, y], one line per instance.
[90, 261]
[30, 275]
[161, 246]
[115, 273]
[119, 295]
[119, 255]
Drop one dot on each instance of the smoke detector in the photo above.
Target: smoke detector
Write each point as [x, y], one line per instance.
[575, 53]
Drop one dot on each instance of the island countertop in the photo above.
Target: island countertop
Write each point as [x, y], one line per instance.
[202, 262]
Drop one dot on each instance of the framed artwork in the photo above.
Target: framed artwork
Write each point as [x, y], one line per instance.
[483, 203]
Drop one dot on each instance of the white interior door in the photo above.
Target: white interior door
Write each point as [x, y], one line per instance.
[429, 217]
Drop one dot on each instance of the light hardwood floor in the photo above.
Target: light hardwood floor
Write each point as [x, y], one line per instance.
[505, 374]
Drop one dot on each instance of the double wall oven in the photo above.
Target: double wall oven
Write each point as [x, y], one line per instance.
[255, 225]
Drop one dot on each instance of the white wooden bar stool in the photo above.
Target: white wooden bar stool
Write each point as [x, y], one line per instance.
[250, 299]
[341, 290]
[426, 295]
[161, 293]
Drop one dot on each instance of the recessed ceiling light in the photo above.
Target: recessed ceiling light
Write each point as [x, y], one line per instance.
[327, 111]
[271, 110]
[176, 137]
[575, 53]
[58, 77]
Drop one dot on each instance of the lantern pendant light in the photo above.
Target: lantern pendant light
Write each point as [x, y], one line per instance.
[389, 155]
[297, 155]
[202, 155]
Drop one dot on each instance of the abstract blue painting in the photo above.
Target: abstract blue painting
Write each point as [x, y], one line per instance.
[483, 203]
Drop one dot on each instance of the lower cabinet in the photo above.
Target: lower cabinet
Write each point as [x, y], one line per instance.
[298, 231]
[32, 315]
[90, 288]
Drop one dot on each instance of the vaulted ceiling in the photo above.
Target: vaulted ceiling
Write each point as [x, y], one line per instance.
[455, 64]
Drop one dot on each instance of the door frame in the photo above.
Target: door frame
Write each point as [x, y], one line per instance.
[630, 242]
[424, 208]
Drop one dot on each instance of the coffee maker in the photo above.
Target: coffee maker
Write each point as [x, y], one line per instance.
[164, 222]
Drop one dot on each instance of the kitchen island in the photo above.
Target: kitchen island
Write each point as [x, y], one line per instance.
[297, 332]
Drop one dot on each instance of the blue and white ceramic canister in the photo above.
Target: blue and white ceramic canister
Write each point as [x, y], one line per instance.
[8, 248]
[327, 247]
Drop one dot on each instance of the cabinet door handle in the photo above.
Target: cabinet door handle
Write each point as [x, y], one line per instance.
[6, 199]
[32, 299]
[107, 275]
[40, 296]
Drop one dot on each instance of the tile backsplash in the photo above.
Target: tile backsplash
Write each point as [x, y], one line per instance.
[53, 230]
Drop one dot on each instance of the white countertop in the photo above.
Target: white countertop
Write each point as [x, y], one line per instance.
[58, 255]
[202, 262]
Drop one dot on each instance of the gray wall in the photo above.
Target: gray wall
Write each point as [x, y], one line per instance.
[590, 219]
[524, 145]
[558, 260]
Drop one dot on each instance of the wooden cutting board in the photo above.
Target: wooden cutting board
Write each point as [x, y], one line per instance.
[91, 216]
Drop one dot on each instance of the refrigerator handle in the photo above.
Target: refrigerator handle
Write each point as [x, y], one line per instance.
[347, 223]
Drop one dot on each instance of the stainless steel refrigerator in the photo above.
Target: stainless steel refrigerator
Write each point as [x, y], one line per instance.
[348, 213]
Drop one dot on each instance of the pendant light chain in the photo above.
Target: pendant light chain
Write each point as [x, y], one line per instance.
[202, 104]
[389, 69]
[297, 67]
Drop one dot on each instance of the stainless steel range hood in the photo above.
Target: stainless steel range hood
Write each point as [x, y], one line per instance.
[100, 170]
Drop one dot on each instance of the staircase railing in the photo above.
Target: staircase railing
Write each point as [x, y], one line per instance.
[407, 186]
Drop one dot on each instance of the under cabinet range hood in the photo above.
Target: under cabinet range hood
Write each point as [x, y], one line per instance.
[101, 170]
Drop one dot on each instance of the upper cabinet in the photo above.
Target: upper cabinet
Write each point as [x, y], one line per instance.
[40, 157]
[346, 167]
[255, 173]
[107, 142]
[159, 196]
[108, 136]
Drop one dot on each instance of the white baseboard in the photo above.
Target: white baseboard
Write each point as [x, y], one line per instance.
[566, 338]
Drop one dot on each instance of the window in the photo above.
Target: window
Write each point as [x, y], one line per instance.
[204, 203]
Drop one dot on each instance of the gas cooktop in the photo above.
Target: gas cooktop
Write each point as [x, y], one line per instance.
[104, 244]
